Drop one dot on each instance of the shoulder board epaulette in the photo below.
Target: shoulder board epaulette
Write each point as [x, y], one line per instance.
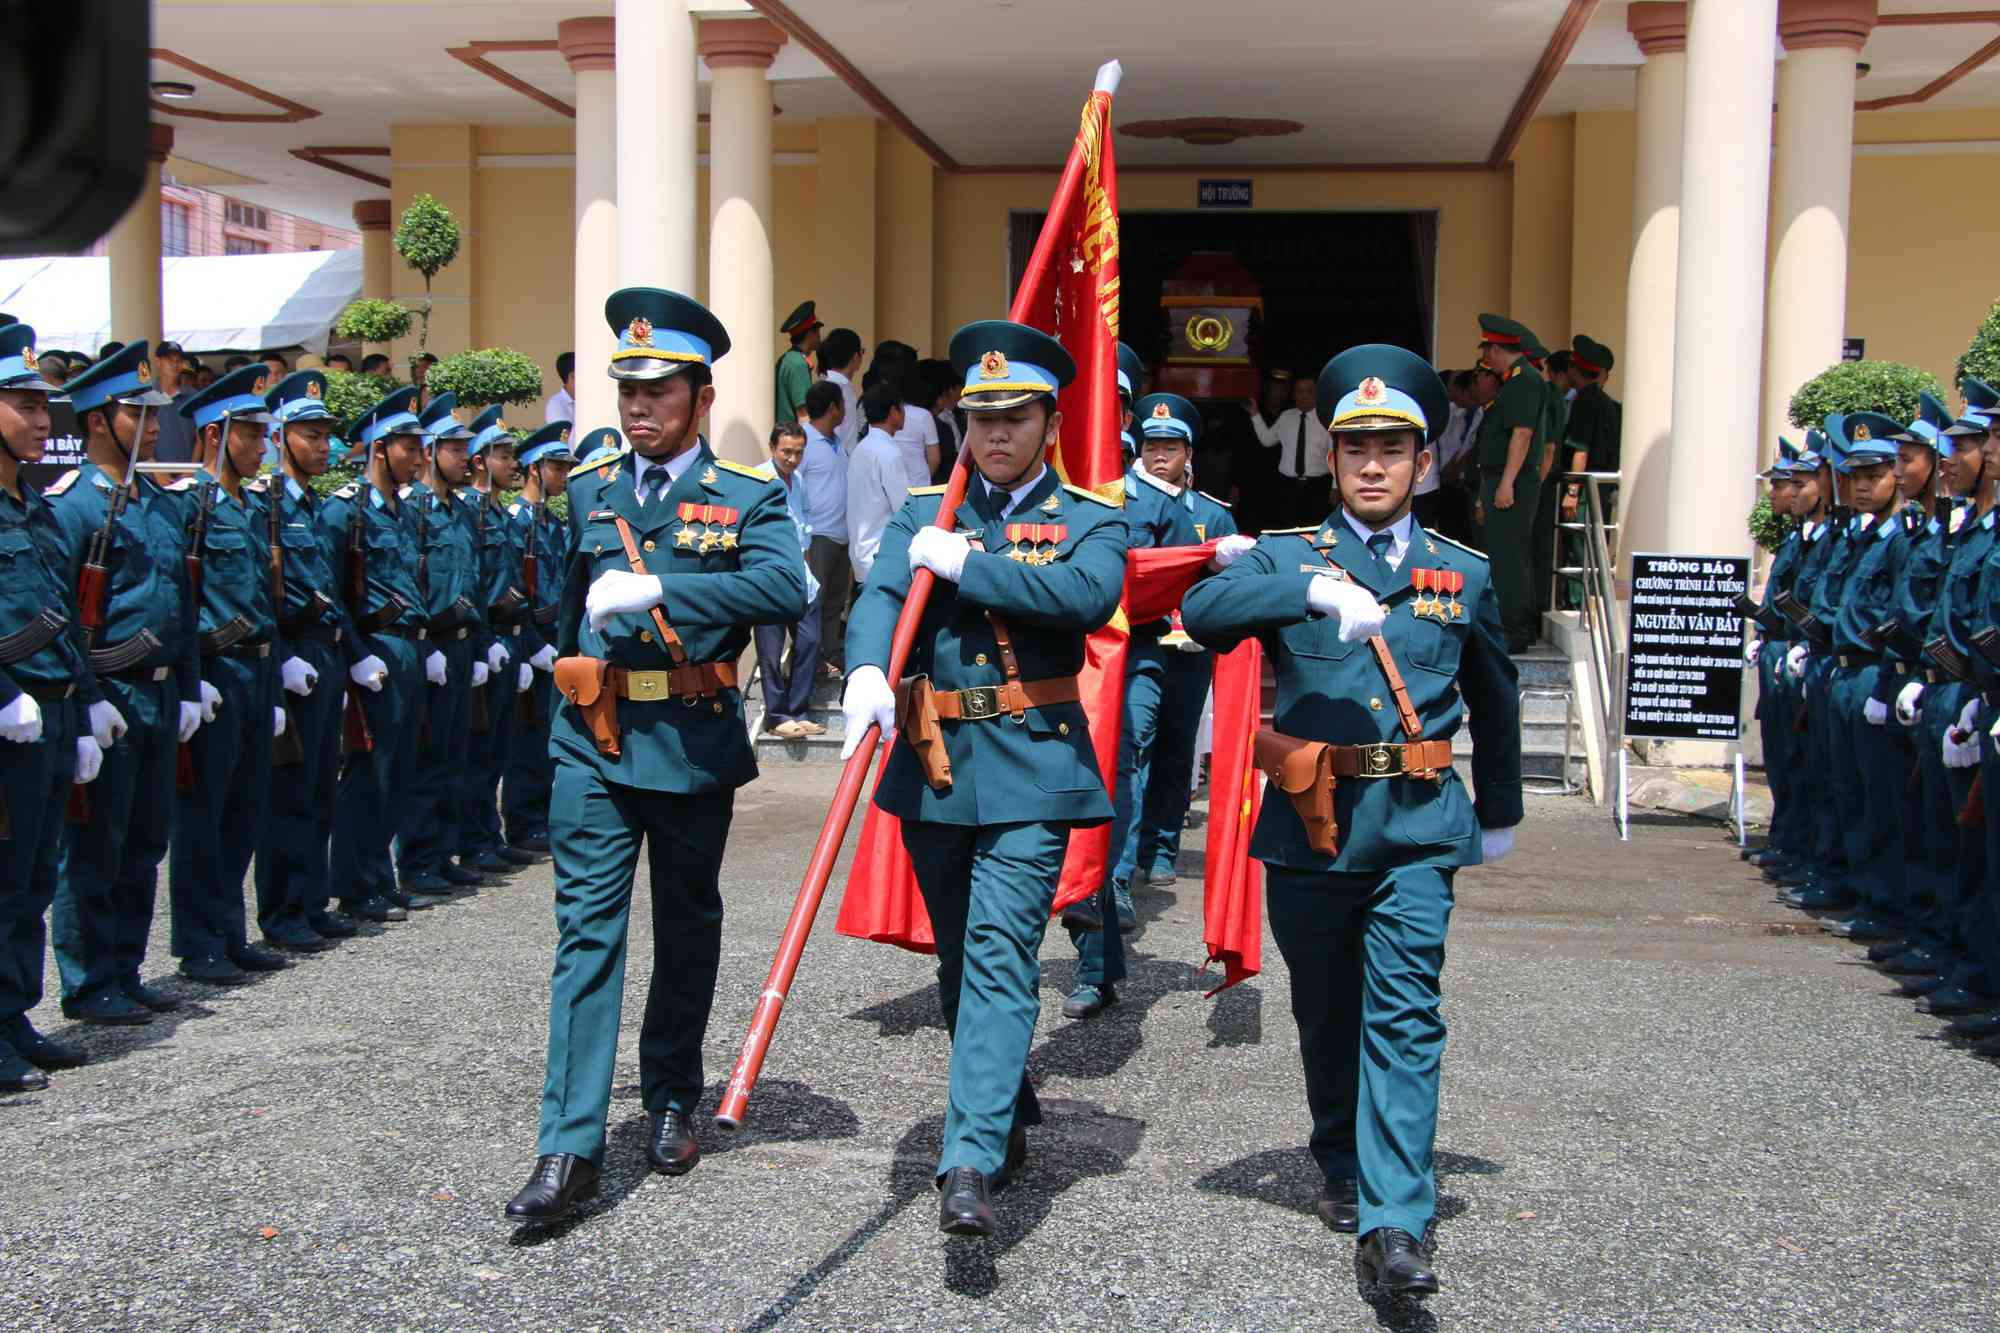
[1212, 500]
[603, 456]
[184, 484]
[927, 490]
[403, 491]
[1439, 536]
[64, 482]
[514, 510]
[1307, 531]
[1082, 494]
[260, 485]
[348, 492]
[744, 470]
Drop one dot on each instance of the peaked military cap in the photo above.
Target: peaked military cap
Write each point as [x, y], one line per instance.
[800, 321]
[438, 421]
[1506, 332]
[18, 367]
[1166, 416]
[1005, 364]
[1853, 440]
[239, 395]
[1980, 396]
[1531, 347]
[126, 376]
[1377, 386]
[661, 333]
[552, 442]
[1872, 428]
[488, 430]
[1813, 456]
[1787, 460]
[1929, 427]
[391, 416]
[1131, 371]
[1591, 355]
[299, 396]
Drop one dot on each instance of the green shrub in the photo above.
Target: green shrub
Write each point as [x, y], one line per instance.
[427, 237]
[1888, 387]
[1766, 528]
[487, 375]
[350, 393]
[1982, 359]
[372, 321]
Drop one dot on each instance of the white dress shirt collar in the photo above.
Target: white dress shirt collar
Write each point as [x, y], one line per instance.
[1014, 493]
[673, 467]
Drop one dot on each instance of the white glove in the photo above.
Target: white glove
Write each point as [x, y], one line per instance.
[1495, 843]
[544, 659]
[190, 722]
[107, 724]
[369, 673]
[297, 675]
[21, 721]
[1968, 716]
[867, 701]
[1750, 654]
[277, 721]
[524, 678]
[480, 675]
[1795, 661]
[942, 553]
[1909, 704]
[1994, 730]
[1228, 548]
[434, 668]
[1361, 616]
[1875, 712]
[1960, 754]
[618, 592]
[496, 657]
[89, 758]
[211, 702]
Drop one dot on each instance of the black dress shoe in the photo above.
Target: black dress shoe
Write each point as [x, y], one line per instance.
[1340, 1205]
[1881, 951]
[312, 943]
[332, 926]
[463, 875]
[213, 970]
[17, 1075]
[1945, 1002]
[1974, 1027]
[157, 1000]
[559, 1182]
[252, 958]
[43, 1052]
[1987, 1045]
[107, 1008]
[490, 863]
[1390, 1263]
[516, 856]
[413, 902]
[377, 909]
[670, 1146]
[533, 842]
[1086, 1000]
[424, 884]
[965, 1209]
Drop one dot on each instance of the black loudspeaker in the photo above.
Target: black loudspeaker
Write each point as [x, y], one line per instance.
[73, 120]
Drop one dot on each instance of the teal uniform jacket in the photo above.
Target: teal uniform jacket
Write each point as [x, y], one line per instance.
[1970, 595]
[1843, 552]
[718, 578]
[310, 566]
[1041, 769]
[388, 539]
[448, 572]
[549, 536]
[498, 542]
[1334, 691]
[235, 556]
[147, 586]
[1212, 517]
[1923, 579]
[1784, 572]
[1868, 599]
[31, 565]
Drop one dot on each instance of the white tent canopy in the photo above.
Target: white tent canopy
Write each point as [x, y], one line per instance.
[215, 303]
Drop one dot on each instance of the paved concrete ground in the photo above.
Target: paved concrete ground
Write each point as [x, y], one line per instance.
[1667, 1105]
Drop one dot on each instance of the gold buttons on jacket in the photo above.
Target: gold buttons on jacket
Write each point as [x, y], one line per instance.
[649, 543]
[979, 660]
[1062, 728]
[646, 636]
[1375, 704]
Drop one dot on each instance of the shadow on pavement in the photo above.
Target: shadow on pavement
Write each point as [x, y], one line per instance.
[1289, 1178]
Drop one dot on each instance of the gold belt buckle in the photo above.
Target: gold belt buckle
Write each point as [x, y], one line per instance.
[647, 686]
[1381, 760]
[979, 702]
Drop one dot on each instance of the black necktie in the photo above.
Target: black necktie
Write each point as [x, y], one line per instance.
[650, 484]
[1299, 450]
[1379, 544]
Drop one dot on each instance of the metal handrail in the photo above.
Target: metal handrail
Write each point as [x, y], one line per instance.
[1599, 614]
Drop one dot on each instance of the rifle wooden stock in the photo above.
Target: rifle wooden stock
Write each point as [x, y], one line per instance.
[1973, 814]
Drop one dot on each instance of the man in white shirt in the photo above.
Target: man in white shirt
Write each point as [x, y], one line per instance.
[562, 403]
[840, 361]
[788, 681]
[918, 439]
[823, 475]
[1302, 445]
[877, 478]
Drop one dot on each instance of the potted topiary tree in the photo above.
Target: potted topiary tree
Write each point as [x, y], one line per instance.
[370, 320]
[1888, 387]
[427, 239]
[1982, 359]
[487, 375]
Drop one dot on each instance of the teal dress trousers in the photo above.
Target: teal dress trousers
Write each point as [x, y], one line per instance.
[498, 543]
[988, 850]
[1363, 932]
[727, 557]
[450, 609]
[1778, 700]
[1877, 756]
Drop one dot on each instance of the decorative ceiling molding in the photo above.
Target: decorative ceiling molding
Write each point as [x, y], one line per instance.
[324, 157]
[474, 54]
[1937, 85]
[289, 112]
[1210, 131]
[878, 101]
[1235, 168]
[1554, 56]
[1936, 18]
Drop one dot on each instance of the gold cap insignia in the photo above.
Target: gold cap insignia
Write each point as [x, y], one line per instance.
[640, 331]
[1861, 432]
[263, 382]
[564, 437]
[1371, 393]
[1161, 412]
[313, 390]
[27, 358]
[145, 372]
[993, 366]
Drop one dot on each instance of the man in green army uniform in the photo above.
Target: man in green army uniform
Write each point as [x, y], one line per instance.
[1509, 484]
[45, 740]
[545, 461]
[795, 372]
[675, 554]
[1596, 419]
[1006, 767]
[1382, 636]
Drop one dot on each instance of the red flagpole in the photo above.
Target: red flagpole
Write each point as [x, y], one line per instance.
[819, 869]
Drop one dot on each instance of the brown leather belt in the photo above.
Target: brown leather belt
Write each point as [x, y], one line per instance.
[1014, 698]
[1391, 760]
[681, 682]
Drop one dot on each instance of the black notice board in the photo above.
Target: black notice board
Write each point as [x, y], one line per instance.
[1684, 668]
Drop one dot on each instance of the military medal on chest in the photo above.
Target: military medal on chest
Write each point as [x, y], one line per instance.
[1034, 543]
[1434, 587]
[706, 528]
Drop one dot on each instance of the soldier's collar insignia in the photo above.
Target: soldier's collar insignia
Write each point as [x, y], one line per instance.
[640, 331]
[1051, 505]
[145, 372]
[1371, 393]
[1328, 537]
[709, 477]
[993, 366]
[313, 390]
[1161, 412]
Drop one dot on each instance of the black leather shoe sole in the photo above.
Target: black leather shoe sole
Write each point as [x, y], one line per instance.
[555, 1212]
[116, 1018]
[23, 1080]
[518, 856]
[299, 946]
[1372, 1288]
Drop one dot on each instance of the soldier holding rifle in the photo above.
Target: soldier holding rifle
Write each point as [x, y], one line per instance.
[498, 543]
[545, 461]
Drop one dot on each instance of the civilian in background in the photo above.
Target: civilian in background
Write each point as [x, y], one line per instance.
[275, 363]
[840, 364]
[54, 367]
[112, 349]
[823, 475]
[1302, 447]
[339, 361]
[238, 361]
[877, 480]
[788, 681]
[941, 388]
[176, 439]
[203, 377]
[890, 358]
[420, 369]
[918, 435]
[1448, 509]
[562, 403]
[376, 363]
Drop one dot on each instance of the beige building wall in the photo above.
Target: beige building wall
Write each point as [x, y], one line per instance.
[1540, 228]
[1601, 235]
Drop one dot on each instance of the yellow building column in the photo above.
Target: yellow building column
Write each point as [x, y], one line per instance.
[1646, 360]
[844, 235]
[1812, 173]
[740, 264]
[590, 47]
[372, 220]
[656, 160]
[133, 248]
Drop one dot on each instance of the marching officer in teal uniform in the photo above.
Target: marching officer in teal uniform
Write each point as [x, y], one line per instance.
[1007, 767]
[123, 538]
[1777, 702]
[500, 546]
[1361, 918]
[545, 461]
[313, 638]
[1510, 484]
[217, 819]
[372, 534]
[45, 740]
[674, 555]
[1154, 517]
[455, 661]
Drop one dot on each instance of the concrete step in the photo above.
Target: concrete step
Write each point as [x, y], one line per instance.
[1542, 667]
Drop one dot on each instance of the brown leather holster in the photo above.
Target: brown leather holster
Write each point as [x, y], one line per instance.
[586, 683]
[1303, 771]
[917, 720]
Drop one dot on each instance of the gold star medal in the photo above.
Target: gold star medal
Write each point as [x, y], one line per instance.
[685, 537]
